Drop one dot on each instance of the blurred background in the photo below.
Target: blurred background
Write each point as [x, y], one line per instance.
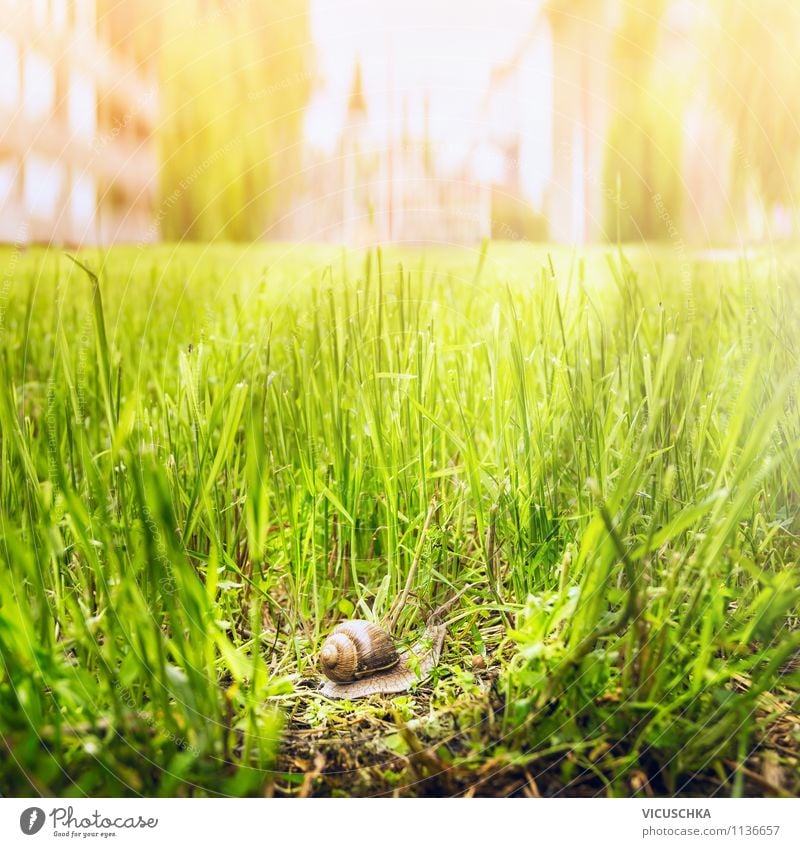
[405, 121]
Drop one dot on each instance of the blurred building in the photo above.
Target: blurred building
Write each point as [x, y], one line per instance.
[547, 115]
[371, 192]
[77, 154]
[581, 71]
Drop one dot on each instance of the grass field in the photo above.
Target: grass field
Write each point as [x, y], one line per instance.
[214, 454]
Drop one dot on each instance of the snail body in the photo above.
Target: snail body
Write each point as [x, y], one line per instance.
[356, 649]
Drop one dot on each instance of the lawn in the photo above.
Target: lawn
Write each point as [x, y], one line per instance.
[211, 455]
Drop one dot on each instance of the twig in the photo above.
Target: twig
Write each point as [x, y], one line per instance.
[758, 779]
[310, 775]
[448, 604]
[492, 557]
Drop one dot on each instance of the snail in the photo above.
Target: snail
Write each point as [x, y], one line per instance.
[360, 658]
[356, 649]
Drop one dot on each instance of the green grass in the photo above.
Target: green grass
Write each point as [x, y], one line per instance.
[210, 455]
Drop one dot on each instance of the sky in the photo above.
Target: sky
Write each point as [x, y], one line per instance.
[410, 50]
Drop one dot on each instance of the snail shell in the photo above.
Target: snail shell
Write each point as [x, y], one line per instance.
[356, 649]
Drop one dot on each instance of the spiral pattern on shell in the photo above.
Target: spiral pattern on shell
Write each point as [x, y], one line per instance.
[355, 649]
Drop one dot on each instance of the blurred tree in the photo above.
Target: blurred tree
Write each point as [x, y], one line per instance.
[356, 102]
[754, 70]
[234, 81]
[514, 219]
[643, 147]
